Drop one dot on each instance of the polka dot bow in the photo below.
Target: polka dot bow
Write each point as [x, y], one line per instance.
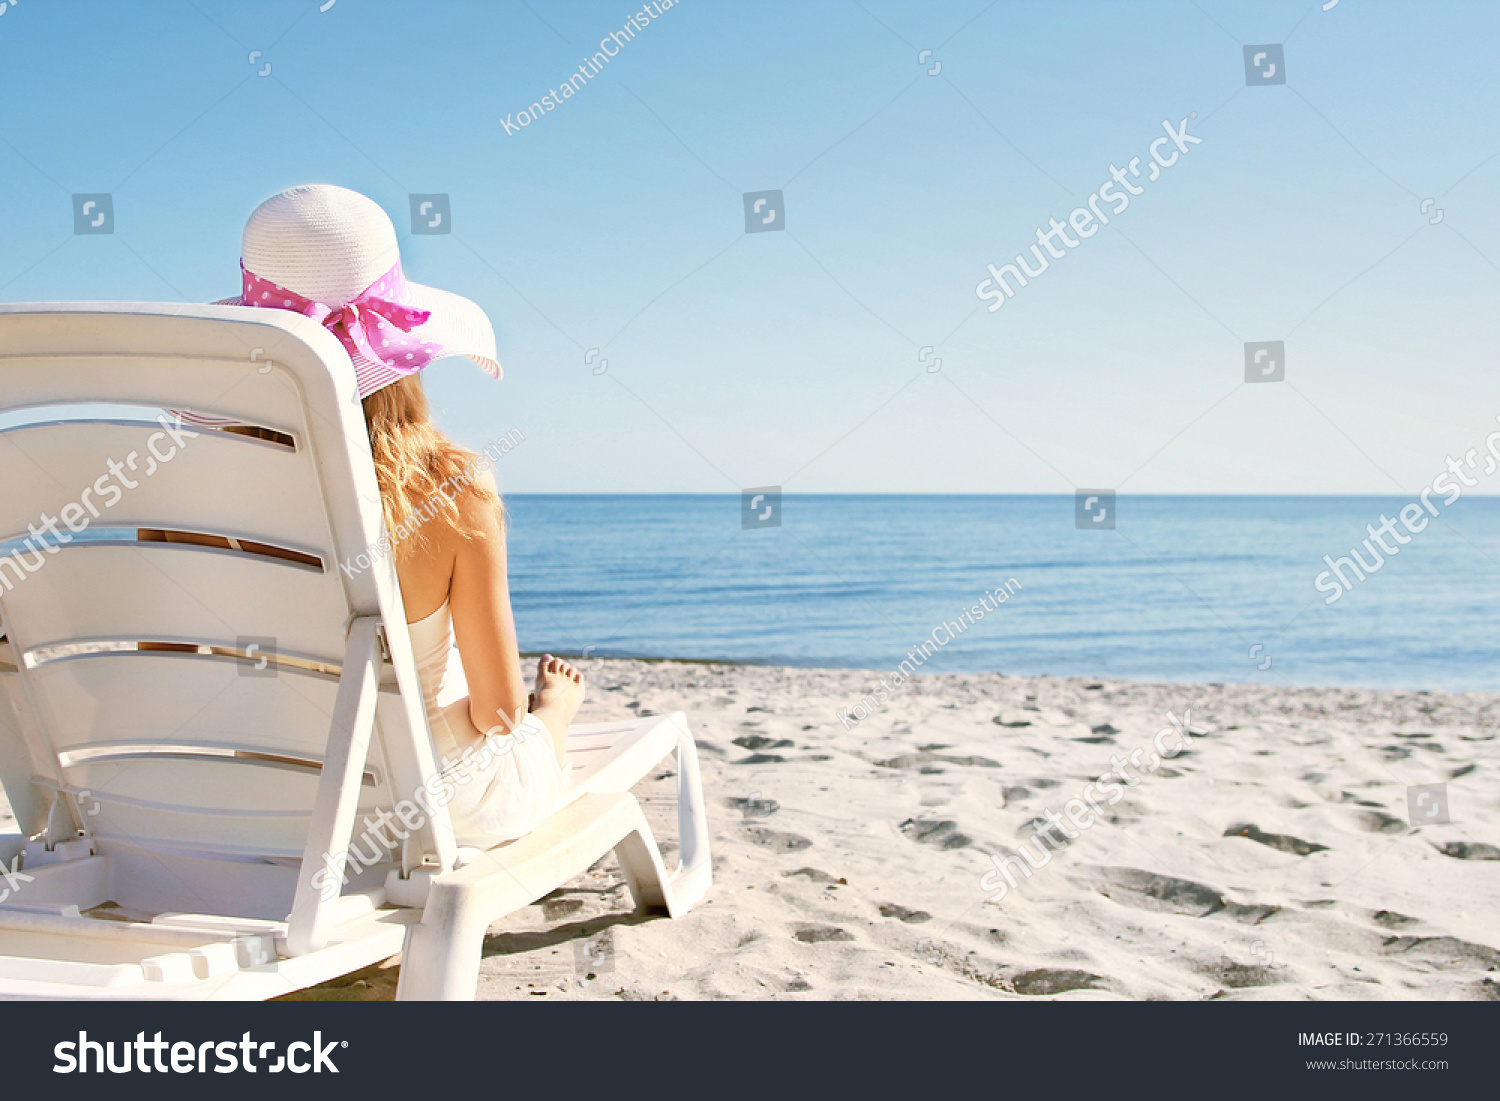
[374, 326]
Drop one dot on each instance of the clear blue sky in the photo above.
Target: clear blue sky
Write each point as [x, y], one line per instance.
[616, 222]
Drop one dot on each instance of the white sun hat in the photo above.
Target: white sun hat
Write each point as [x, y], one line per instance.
[331, 254]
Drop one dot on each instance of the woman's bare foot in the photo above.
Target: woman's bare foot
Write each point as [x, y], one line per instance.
[558, 683]
[556, 699]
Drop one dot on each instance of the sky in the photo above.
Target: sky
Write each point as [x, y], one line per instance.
[652, 344]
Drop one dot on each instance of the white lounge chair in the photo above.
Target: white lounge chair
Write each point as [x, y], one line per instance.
[202, 792]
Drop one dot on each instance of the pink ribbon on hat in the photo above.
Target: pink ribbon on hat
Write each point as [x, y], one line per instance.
[372, 325]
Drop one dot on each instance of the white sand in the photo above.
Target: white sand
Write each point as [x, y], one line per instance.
[855, 870]
[1155, 903]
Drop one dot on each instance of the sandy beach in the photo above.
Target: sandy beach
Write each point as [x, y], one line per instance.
[1273, 858]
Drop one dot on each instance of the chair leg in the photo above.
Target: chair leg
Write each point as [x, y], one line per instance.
[640, 862]
[694, 874]
[640, 859]
[442, 953]
[440, 960]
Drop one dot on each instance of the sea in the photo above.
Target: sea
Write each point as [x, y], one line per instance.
[1182, 588]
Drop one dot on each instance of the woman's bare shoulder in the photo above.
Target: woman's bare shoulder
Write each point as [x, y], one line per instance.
[480, 515]
[483, 479]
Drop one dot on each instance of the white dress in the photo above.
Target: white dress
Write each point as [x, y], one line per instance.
[501, 794]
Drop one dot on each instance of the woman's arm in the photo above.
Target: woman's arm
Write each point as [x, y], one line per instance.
[483, 625]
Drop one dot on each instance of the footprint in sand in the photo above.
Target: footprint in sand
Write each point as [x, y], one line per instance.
[1103, 734]
[1047, 980]
[1377, 821]
[940, 834]
[1282, 842]
[1238, 976]
[1167, 894]
[778, 840]
[755, 742]
[751, 807]
[1040, 826]
[1464, 850]
[924, 757]
[901, 913]
[818, 876]
[1446, 953]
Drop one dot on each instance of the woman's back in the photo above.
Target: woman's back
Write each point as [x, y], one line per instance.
[332, 255]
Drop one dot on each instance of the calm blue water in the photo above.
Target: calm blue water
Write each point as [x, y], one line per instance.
[1181, 590]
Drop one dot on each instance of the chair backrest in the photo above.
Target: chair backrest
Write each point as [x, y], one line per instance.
[215, 752]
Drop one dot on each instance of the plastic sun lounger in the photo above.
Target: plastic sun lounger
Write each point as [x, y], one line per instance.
[207, 793]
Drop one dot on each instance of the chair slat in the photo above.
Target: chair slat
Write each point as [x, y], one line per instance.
[215, 482]
[111, 591]
[133, 698]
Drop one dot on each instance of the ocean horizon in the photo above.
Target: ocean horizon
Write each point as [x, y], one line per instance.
[1184, 588]
[1206, 589]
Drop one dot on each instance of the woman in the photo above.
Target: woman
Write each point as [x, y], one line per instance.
[452, 573]
[331, 254]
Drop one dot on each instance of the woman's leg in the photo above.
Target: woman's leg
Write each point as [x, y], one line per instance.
[556, 700]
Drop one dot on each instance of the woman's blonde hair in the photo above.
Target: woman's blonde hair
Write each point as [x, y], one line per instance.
[421, 472]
